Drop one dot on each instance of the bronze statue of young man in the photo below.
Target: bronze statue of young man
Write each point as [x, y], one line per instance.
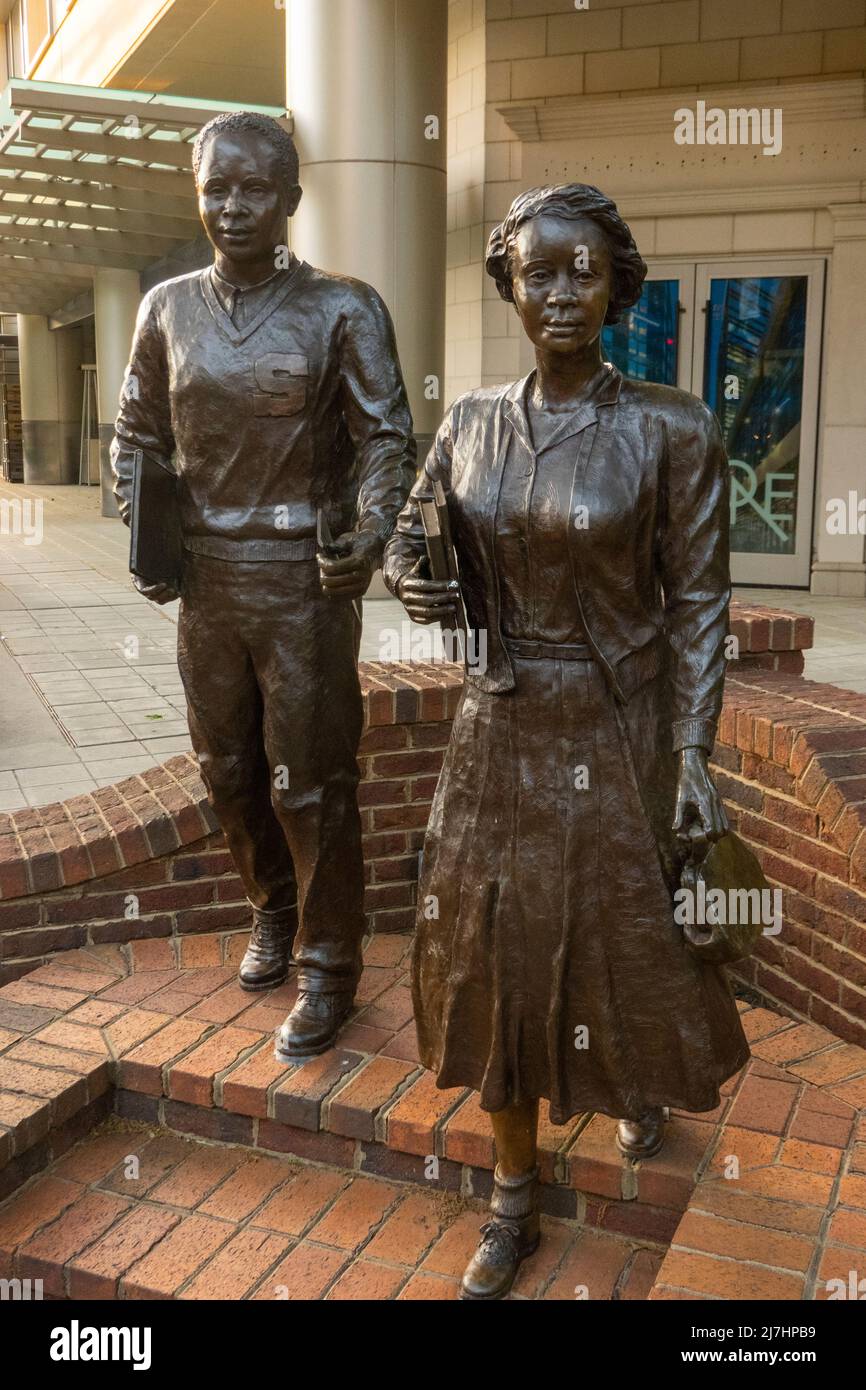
[272, 392]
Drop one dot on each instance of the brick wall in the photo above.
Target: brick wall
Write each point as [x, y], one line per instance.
[144, 859]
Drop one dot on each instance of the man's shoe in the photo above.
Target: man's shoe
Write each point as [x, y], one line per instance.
[644, 1137]
[508, 1238]
[313, 1024]
[266, 962]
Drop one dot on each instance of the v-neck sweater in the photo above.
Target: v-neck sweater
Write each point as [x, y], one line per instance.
[299, 404]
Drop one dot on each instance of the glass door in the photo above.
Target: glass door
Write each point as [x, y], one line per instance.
[654, 340]
[756, 363]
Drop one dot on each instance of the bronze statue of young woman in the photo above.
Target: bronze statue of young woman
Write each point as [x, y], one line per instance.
[590, 520]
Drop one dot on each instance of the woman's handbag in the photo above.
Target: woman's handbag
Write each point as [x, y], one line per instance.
[724, 902]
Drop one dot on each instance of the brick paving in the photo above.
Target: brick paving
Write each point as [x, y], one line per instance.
[134, 1213]
[764, 1197]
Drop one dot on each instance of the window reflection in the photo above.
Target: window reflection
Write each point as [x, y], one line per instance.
[753, 379]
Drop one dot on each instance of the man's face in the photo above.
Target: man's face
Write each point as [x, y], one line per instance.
[242, 196]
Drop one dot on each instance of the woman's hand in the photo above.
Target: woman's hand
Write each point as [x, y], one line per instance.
[427, 600]
[699, 818]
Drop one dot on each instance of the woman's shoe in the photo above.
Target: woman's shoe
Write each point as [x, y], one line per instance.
[508, 1238]
[644, 1137]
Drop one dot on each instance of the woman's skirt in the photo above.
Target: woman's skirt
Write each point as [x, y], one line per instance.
[547, 962]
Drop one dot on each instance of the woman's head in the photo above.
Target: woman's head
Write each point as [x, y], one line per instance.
[567, 261]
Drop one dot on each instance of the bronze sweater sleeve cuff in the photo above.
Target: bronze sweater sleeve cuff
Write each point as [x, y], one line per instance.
[691, 733]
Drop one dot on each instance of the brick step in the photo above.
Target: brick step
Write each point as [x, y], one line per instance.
[144, 1214]
[172, 1041]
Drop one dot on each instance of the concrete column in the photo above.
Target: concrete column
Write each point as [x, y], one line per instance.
[367, 88]
[116, 297]
[70, 389]
[840, 560]
[40, 428]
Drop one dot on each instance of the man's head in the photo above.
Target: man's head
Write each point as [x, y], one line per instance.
[246, 173]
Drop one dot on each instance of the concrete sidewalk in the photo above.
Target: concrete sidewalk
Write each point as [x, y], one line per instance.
[91, 691]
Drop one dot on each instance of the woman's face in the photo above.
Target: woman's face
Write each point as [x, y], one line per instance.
[562, 282]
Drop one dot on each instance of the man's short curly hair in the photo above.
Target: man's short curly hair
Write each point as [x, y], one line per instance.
[230, 122]
[571, 200]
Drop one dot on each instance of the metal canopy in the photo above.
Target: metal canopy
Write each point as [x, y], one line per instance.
[93, 177]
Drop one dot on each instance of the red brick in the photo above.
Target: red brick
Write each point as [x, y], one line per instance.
[641, 1275]
[812, 1158]
[300, 1202]
[468, 1135]
[168, 1266]
[355, 1214]
[97, 1272]
[594, 1264]
[749, 1147]
[852, 1191]
[196, 1176]
[298, 1100]
[192, 1079]
[714, 1235]
[848, 1228]
[238, 1267]
[156, 1157]
[762, 1104]
[245, 1189]
[132, 1028]
[95, 1157]
[837, 1064]
[43, 996]
[852, 1092]
[410, 1230]
[792, 1044]
[455, 1247]
[817, 1127]
[727, 1199]
[44, 1255]
[403, 1045]
[306, 1272]
[368, 1282]
[592, 1161]
[413, 1121]
[245, 1088]
[26, 1119]
[30, 1209]
[727, 1279]
[73, 1036]
[352, 1109]
[429, 1287]
[142, 1069]
[221, 1006]
[668, 1179]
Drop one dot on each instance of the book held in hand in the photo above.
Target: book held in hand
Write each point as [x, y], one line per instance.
[155, 546]
[442, 557]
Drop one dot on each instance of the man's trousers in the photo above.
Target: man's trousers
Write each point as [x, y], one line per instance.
[269, 667]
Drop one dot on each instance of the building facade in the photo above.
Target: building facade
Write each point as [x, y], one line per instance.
[732, 136]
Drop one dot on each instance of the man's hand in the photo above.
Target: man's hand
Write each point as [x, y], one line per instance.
[347, 573]
[157, 593]
[699, 818]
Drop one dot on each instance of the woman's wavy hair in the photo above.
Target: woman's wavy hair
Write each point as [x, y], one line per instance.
[571, 200]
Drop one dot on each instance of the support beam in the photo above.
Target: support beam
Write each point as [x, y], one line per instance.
[95, 195]
[151, 181]
[129, 243]
[13, 236]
